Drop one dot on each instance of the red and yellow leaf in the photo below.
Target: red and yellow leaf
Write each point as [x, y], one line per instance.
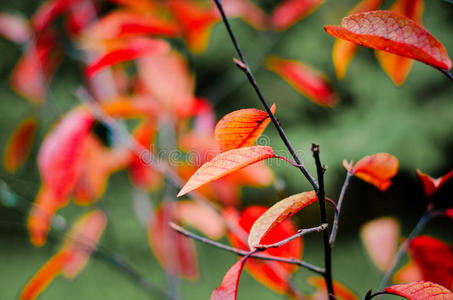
[394, 33]
[343, 50]
[398, 67]
[241, 128]
[60, 158]
[380, 238]
[431, 185]
[376, 169]
[175, 252]
[420, 290]
[310, 83]
[228, 289]
[272, 274]
[226, 163]
[341, 291]
[278, 213]
[289, 12]
[14, 28]
[134, 48]
[19, 144]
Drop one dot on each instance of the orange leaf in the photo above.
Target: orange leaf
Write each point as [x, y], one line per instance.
[46, 274]
[343, 50]
[247, 10]
[397, 67]
[380, 238]
[277, 214]
[60, 158]
[420, 290]
[19, 144]
[305, 80]
[341, 292]
[391, 32]
[431, 185]
[376, 169]
[201, 217]
[408, 273]
[134, 48]
[124, 107]
[175, 253]
[241, 128]
[434, 258]
[81, 241]
[14, 28]
[138, 5]
[226, 163]
[272, 274]
[228, 289]
[289, 12]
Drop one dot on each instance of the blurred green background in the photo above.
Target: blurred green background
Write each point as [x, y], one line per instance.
[413, 122]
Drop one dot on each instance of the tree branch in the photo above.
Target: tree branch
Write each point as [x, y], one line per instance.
[300, 233]
[336, 221]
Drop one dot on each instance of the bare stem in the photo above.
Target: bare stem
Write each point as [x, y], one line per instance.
[242, 64]
[300, 233]
[322, 206]
[240, 252]
[336, 221]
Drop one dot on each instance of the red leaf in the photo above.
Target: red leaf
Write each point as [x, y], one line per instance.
[138, 5]
[247, 10]
[449, 213]
[343, 50]
[14, 28]
[134, 48]
[278, 213]
[380, 238]
[431, 185]
[376, 169]
[341, 292]
[391, 32]
[228, 289]
[434, 258]
[241, 128]
[19, 144]
[60, 157]
[226, 163]
[175, 252]
[420, 290]
[305, 80]
[49, 11]
[397, 67]
[272, 274]
[289, 12]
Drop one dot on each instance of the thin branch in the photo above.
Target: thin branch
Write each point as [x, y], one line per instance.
[370, 296]
[244, 67]
[240, 252]
[447, 73]
[336, 221]
[325, 235]
[300, 233]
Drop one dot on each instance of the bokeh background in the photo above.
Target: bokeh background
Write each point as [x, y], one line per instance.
[413, 122]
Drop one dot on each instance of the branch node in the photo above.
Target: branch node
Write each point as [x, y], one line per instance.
[240, 64]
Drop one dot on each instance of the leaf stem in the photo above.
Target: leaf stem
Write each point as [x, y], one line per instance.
[240, 252]
[447, 73]
[322, 206]
[300, 233]
[336, 221]
[242, 64]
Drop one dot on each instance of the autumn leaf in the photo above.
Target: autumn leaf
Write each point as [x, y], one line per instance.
[137, 5]
[277, 214]
[19, 144]
[14, 28]
[380, 237]
[246, 9]
[305, 80]
[60, 157]
[226, 163]
[420, 290]
[398, 67]
[228, 289]
[391, 32]
[341, 291]
[241, 128]
[344, 50]
[431, 185]
[49, 11]
[133, 49]
[274, 275]
[376, 169]
[289, 12]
